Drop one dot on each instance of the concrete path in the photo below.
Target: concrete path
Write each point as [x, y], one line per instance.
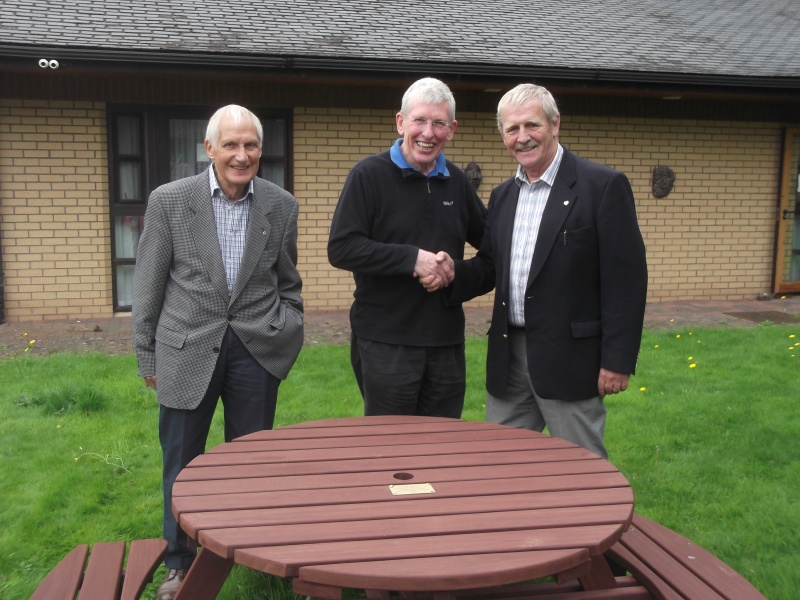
[113, 335]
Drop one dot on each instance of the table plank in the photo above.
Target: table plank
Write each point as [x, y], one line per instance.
[457, 572]
[396, 464]
[247, 481]
[220, 516]
[225, 541]
[405, 449]
[305, 443]
[286, 561]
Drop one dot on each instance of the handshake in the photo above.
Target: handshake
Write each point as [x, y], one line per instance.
[434, 271]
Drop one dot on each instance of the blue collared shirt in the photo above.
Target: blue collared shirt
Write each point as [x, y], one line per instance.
[440, 168]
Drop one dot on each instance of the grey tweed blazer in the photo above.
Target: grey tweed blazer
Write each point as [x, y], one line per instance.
[181, 302]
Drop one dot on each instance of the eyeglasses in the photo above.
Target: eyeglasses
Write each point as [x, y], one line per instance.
[437, 125]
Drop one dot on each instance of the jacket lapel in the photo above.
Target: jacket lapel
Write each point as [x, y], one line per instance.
[559, 204]
[203, 229]
[258, 230]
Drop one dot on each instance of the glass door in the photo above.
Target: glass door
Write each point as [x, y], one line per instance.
[788, 248]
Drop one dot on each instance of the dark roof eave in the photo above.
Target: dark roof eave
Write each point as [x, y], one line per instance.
[118, 59]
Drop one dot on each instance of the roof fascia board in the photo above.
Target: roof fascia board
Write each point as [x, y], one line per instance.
[286, 64]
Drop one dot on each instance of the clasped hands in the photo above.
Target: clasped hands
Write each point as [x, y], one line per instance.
[434, 271]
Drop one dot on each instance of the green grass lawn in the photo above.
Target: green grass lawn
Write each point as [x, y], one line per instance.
[707, 434]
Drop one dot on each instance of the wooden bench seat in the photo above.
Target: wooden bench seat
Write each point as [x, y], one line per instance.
[104, 578]
[674, 568]
[663, 565]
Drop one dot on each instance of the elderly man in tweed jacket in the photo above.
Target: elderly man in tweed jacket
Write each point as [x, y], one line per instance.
[217, 310]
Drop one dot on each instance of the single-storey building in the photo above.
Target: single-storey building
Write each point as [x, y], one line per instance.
[102, 100]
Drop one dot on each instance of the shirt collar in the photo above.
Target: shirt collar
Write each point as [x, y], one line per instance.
[216, 190]
[396, 154]
[549, 176]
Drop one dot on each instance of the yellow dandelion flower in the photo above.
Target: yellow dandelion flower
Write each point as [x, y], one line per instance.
[791, 337]
[25, 350]
[25, 334]
[672, 320]
[32, 342]
[690, 333]
[677, 337]
[791, 348]
[691, 358]
[656, 346]
[641, 389]
[693, 365]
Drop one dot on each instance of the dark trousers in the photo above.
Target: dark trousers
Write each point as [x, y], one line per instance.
[249, 395]
[409, 380]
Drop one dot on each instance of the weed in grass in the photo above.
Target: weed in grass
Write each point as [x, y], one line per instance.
[57, 401]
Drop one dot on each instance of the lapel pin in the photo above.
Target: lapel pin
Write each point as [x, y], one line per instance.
[566, 202]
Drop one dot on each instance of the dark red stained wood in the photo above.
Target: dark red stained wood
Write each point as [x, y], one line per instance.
[507, 505]
[205, 577]
[63, 581]
[218, 514]
[249, 482]
[144, 557]
[228, 485]
[661, 590]
[285, 561]
[224, 541]
[689, 568]
[446, 573]
[550, 491]
[627, 589]
[104, 572]
[404, 448]
[394, 464]
[306, 443]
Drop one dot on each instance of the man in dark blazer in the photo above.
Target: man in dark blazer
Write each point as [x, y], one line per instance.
[564, 253]
[217, 310]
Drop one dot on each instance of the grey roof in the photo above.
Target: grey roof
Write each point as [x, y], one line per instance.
[742, 38]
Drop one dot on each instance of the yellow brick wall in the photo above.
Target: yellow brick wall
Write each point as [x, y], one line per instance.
[54, 210]
[711, 238]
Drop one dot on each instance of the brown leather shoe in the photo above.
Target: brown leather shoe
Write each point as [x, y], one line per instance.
[171, 584]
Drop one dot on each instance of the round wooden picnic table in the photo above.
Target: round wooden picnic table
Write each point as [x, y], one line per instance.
[400, 503]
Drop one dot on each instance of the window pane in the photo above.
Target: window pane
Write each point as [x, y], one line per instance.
[127, 231]
[128, 141]
[273, 173]
[274, 136]
[187, 154]
[130, 182]
[125, 285]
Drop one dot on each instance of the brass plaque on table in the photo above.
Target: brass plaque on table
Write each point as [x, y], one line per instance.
[411, 488]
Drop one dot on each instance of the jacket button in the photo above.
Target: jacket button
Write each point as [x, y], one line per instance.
[231, 317]
[505, 336]
[215, 350]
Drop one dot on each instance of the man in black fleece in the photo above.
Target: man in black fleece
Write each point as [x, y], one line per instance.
[397, 210]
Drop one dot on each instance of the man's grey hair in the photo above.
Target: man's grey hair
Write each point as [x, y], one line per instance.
[527, 92]
[429, 91]
[238, 114]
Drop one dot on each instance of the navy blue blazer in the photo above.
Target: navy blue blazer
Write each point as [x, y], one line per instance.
[586, 293]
